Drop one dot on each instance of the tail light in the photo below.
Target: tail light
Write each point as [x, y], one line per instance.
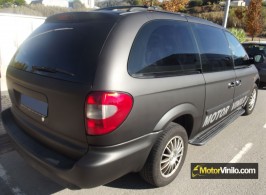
[106, 111]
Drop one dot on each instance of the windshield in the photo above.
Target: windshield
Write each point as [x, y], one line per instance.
[254, 49]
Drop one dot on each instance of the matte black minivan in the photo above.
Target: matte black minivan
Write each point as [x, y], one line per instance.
[97, 95]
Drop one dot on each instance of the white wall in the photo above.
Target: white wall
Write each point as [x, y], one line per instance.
[14, 30]
[59, 3]
[28, 1]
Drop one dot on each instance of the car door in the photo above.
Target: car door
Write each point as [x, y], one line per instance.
[218, 72]
[243, 70]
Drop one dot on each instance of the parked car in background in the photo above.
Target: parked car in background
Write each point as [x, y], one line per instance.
[257, 50]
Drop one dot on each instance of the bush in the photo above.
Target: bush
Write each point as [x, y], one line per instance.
[19, 2]
[263, 34]
[212, 8]
[264, 3]
[209, 2]
[239, 34]
[78, 5]
[234, 20]
[215, 17]
[204, 9]
[10, 3]
[194, 3]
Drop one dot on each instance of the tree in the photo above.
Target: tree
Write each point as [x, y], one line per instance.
[174, 5]
[134, 2]
[240, 12]
[78, 5]
[239, 34]
[108, 3]
[9, 3]
[254, 22]
[151, 2]
[19, 2]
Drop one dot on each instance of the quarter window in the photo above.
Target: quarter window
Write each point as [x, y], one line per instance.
[164, 48]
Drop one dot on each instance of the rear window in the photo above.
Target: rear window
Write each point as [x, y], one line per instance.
[64, 50]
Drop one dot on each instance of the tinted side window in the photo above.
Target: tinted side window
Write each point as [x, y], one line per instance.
[214, 49]
[164, 48]
[239, 54]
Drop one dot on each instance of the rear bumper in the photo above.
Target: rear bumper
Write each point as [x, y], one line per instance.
[100, 165]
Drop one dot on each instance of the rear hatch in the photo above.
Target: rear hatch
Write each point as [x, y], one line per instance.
[52, 73]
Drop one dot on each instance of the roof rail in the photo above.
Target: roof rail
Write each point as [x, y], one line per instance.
[130, 8]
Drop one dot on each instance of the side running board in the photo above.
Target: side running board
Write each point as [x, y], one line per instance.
[203, 137]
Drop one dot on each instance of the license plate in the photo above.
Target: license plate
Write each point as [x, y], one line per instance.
[37, 106]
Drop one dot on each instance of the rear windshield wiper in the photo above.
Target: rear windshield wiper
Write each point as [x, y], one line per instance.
[52, 70]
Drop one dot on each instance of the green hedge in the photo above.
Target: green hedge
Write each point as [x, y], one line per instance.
[239, 34]
[194, 3]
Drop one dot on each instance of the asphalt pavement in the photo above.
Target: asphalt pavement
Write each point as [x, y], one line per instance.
[242, 141]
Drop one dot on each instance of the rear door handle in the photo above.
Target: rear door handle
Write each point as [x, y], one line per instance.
[231, 84]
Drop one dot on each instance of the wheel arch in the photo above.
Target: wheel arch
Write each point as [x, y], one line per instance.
[184, 114]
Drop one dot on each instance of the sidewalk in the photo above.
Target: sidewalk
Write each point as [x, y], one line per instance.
[5, 103]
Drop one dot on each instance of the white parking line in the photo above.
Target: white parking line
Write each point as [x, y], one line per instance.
[241, 153]
[264, 126]
[5, 178]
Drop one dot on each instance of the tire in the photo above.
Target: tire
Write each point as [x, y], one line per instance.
[165, 161]
[250, 105]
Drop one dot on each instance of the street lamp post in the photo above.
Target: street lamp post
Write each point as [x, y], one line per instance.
[226, 11]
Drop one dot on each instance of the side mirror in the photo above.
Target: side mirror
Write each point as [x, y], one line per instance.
[245, 58]
[258, 58]
[248, 60]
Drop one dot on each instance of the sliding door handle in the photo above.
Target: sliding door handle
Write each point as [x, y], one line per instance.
[238, 82]
[231, 85]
